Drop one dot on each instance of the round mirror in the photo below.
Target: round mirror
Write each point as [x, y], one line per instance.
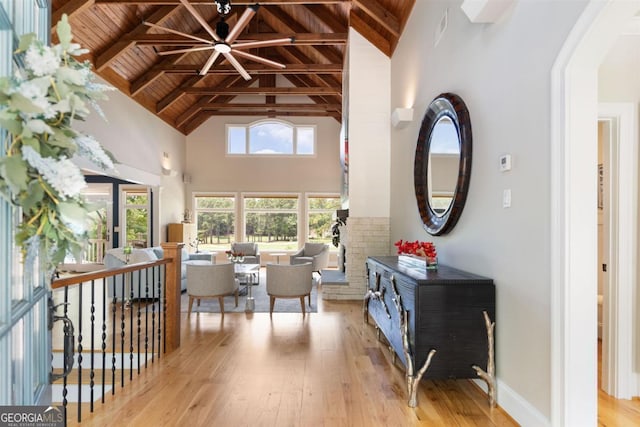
[443, 163]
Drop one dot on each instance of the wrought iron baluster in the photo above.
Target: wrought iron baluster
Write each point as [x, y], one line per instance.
[146, 273]
[122, 326]
[163, 314]
[114, 307]
[92, 372]
[104, 337]
[153, 321]
[65, 391]
[79, 329]
[131, 309]
[146, 319]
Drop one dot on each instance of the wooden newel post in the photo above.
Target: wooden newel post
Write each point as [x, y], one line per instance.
[173, 281]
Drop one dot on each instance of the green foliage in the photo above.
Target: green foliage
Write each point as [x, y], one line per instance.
[37, 108]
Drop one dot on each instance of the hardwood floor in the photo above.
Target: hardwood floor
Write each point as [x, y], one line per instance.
[615, 412]
[327, 369]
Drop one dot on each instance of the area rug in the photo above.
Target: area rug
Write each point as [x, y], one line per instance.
[259, 293]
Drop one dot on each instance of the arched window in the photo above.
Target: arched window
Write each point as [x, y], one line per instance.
[271, 137]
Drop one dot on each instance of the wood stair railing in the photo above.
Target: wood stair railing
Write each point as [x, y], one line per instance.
[114, 322]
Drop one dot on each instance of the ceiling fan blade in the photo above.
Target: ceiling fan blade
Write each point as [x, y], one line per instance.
[209, 63]
[259, 59]
[244, 19]
[189, 49]
[169, 30]
[237, 66]
[265, 43]
[200, 19]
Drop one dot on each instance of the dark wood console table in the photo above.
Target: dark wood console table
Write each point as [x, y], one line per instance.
[438, 323]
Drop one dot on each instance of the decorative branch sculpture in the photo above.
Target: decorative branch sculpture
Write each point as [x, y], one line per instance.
[413, 379]
[489, 375]
[376, 294]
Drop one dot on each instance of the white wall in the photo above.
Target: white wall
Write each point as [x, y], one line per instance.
[369, 127]
[137, 140]
[212, 170]
[502, 72]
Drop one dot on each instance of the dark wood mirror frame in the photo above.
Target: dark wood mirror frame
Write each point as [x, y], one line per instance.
[452, 106]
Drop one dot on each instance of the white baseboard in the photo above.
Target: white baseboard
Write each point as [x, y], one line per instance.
[516, 406]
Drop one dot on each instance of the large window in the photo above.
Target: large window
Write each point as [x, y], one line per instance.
[271, 137]
[272, 221]
[320, 214]
[215, 219]
[276, 222]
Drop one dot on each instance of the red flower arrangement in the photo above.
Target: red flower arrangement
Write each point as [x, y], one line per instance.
[423, 249]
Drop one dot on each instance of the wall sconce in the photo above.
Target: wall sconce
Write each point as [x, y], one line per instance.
[401, 117]
[166, 165]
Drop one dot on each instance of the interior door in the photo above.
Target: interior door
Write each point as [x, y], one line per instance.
[100, 222]
[135, 219]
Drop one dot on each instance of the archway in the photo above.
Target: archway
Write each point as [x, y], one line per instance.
[574, 109]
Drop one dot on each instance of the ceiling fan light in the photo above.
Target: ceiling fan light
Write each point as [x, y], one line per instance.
[223, 6]
[222, 47]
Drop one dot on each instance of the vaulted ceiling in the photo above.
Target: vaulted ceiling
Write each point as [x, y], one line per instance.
[127, 46]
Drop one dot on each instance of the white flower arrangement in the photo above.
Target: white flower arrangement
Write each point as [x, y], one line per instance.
[37, 108]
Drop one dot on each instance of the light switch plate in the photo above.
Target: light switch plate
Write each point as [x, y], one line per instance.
[506, 198]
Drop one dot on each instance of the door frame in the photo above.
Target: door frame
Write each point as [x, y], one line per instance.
[618, 378]
[574, 100]
[122, 190]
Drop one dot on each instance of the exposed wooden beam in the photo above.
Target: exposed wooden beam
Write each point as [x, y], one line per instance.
[256, 69]
[268, 80]
[235, 2]
[265, 91]
[381, 15]
[177, 93]
[291, 113]
[328, 18]
[270, 107]
[188, 115]
[71, 8]
[330, 53]
[305, 81]
[361, 26]
[123, 43]
[155, 72]
[299, 57]
[301, 39]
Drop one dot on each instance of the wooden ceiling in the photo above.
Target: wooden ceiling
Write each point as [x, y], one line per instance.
[125, 52]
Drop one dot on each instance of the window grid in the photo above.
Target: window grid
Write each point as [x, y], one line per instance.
[302, 139]
[215, 223]
[321, 211]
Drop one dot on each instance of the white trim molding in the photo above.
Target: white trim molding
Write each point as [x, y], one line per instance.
[573, 215]
[518, 408]
[621, 381]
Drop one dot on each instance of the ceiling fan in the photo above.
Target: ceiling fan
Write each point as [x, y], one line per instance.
[223, 40]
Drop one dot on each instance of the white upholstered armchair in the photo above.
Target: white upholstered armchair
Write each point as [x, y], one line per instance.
[206, 280]
[289, 281]
[249, 250]
[315, 253]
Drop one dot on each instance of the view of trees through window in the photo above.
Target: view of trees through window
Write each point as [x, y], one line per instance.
[136, 218]
[215, 218]
[321, 213]
[272, 222]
